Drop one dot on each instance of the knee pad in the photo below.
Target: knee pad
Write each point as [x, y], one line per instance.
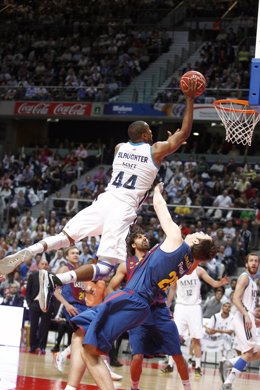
[102, 270]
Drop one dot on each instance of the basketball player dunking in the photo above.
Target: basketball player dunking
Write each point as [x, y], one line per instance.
[135, 167]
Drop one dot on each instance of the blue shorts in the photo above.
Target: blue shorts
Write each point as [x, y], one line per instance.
[158, 334]
[104, 323]
[77, 306]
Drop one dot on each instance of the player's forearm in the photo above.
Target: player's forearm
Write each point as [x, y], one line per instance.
[59, 297]
[187, 118]
[237, 302]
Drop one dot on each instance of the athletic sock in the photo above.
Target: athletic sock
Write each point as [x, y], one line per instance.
[236, 370]
[186, 384]
[135, 385]
[197, 362]
[50, 243]
[170, 361]
[66, 352]
[68, 387]
[36, 248]
[67, 277]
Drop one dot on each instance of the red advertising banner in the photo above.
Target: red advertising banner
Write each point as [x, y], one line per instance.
[60, 109]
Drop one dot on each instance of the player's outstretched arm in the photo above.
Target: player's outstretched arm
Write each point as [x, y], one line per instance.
[162, 149]
[171, 229]
[202, 274]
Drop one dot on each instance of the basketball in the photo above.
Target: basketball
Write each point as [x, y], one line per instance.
[200, 85]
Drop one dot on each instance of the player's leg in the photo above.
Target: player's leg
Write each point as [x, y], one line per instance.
[112, 249]
[183, 371]
[197, 353]
[77, 364]
[139, 339]
[196, 334]
[97, 368]
[168, 336]
[240, 365]
[136, 370]
[250, 350]
[87, 222]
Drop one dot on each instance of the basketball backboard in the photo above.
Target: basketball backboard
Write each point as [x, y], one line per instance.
[254, 89]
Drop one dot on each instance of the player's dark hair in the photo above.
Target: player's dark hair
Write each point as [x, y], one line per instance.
[204, 250]
[136, 129]
[130, 239]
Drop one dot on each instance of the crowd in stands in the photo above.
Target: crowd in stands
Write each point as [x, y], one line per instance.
[71, 50]
[25, 180]
[217, 8]
[225, 62]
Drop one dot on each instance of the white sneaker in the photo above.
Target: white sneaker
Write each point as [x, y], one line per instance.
[114, 376]
[59, 361]
[9, 263]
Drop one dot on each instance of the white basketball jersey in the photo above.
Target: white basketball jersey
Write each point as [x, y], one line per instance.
[250, 294]
[220, 323]
[188, 289]
[134, 172]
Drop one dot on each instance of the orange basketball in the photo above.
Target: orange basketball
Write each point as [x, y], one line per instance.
[200, 79]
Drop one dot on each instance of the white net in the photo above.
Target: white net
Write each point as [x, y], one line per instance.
[238, 119]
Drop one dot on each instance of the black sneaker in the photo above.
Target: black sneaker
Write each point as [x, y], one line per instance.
[115, 363]
[48, 283]
[167, 369]
[56, 348]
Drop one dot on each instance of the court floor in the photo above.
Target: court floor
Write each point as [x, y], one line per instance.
[23, 371]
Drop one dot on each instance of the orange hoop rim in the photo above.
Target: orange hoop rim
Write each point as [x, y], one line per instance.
[217, 104]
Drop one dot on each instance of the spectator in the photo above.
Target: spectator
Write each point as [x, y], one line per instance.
[85, 257]
[12, 297]
[223, 201]
[232, 287]
[229, 230]
[72, 204]
[213, 304]
[40, 321]
[57, 261]
[220, 329]
[245, 237]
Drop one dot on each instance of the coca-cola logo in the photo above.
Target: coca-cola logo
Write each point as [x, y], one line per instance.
[33, 109]
[52, 108]
[74, 109]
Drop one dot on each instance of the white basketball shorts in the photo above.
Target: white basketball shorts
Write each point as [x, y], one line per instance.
[245, 339]
[108, 217]
[188, 319]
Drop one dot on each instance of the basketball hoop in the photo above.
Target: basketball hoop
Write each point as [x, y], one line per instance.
[239, 121]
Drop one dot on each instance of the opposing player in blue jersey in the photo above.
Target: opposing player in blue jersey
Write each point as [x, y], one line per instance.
[128, 308]
[135, 166]
[158, 333]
